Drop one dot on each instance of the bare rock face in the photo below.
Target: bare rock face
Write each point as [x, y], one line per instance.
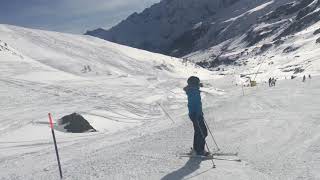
[316, 32]
[265, 47]
[301, 24]
[318, 40]
[290, 49]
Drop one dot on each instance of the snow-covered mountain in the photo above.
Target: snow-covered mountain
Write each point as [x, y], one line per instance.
[158, 27]
[283, 43]
[179, 28]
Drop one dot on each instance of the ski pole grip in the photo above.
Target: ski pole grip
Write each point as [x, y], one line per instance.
[50, 120]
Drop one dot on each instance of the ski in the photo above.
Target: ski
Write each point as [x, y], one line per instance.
[214, 155]
[218, 153]
[210, 157]
[196, 156]
[227, 159]
[224, 154]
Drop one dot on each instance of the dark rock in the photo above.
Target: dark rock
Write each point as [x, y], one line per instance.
[318, 40]
[298, 70]
[301, 24]
[204, 64]
[278, 42]
[317, 32]
[289, 8]
[255, 35]
[75, 123]
[186, 42]
[280, 11]
[290, 49]
[292, 77]
[306, 8]
[265, 47]
[220, 60]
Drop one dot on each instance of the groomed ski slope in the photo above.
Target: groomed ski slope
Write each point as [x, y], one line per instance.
[275, 130]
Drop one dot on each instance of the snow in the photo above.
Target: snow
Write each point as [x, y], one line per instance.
[127, 97]
[258, 8]
[196, 26]
[262, 6]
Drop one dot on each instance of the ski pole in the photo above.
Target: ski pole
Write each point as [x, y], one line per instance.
[211, 134]
[210, 129]
[166, 113]
[201, 132]
[55, 144]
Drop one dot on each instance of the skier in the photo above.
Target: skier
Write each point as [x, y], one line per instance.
[309, 76]
[89, 68]
[304, 78]
[270, 82]
[196, 115]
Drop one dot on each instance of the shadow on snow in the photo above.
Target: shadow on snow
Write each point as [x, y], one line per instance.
[191, 166]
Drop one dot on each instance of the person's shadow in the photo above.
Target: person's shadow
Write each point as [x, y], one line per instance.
[191, 166]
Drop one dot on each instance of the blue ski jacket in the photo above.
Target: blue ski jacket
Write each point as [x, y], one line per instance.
[194, 102]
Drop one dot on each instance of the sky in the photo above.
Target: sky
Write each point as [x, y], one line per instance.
[71, 16]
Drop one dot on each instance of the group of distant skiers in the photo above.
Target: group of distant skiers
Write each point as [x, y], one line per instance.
[305, 78]
[272, 81]
[86, 68]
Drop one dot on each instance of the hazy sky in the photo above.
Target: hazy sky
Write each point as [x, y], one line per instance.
[75, 16]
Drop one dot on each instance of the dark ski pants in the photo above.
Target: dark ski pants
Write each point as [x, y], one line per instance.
[200, 134]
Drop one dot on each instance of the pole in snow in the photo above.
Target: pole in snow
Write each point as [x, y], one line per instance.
[166, 112]
[211, 134]
[55, 144]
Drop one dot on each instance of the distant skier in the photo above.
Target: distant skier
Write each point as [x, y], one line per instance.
[196, 115]
[274, 80]
[304, 78]
[270, 80]
[309, 76]
[89, 68]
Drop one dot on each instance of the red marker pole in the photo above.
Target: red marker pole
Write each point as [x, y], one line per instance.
[55, 144]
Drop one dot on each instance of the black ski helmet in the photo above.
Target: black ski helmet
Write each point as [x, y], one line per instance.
[193, 81]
